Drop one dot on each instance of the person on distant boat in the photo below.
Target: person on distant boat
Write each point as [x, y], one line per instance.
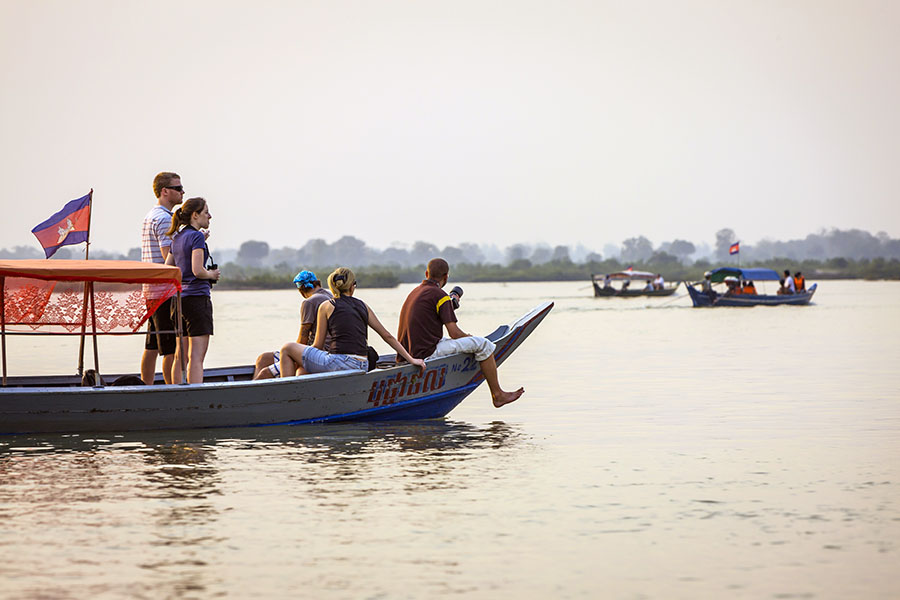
[607, 282]
[733, 287]
[625, 284]
[659, 283]
[706, 285]
[649, 287]
[190, 254]
[346, 319]
[268, 364]
[427, 311]
[155, 244]
[787, 284]
[799, 282]
[749, 288]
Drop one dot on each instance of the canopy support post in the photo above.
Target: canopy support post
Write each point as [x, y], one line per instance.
[3, 323]
[94, 333]
[84, 308]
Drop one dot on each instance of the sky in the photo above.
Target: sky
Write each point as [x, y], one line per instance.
[488, 122]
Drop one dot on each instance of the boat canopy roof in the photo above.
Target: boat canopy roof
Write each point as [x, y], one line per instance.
[719, 275]
[110, 271]
[52, 295]
[641, 275]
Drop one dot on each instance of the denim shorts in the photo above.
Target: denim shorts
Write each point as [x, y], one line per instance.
[319, 361]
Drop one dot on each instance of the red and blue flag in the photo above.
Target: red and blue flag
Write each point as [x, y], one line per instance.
[735, 248]
[68, 226]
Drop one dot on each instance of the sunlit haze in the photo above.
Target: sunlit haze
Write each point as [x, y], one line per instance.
[485, 122]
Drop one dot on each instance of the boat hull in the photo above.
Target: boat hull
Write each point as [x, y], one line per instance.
[230, 399]
[601, 292]
[702, 299]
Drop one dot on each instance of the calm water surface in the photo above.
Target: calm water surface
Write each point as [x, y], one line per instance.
[660, 451]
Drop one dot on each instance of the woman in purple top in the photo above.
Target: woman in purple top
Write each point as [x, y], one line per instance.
[189, 253]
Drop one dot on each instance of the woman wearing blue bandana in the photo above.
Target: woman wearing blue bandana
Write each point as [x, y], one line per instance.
[268, 364]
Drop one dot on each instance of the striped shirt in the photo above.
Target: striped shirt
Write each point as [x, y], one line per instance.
[154, 238]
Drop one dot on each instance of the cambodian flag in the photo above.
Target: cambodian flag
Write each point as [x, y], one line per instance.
[68, 226]
[735, 248]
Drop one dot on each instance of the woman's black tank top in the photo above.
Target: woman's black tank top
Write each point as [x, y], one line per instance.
[348, 326]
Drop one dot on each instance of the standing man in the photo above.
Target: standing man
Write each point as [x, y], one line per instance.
[425, 313]
[155, 245]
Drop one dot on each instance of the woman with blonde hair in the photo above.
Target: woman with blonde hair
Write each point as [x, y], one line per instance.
[190, 254]
[346, 320]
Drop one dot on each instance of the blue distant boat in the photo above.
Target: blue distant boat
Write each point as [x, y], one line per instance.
[734, 286]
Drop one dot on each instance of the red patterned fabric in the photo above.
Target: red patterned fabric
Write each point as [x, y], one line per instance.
[32, 304]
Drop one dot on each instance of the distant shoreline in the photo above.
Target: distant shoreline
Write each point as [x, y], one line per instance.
[236, 277]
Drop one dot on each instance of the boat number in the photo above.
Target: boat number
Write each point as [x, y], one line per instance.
[387, 390]
[469, 363]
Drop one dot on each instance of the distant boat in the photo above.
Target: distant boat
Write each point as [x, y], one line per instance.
[604, 288]
[715, 290]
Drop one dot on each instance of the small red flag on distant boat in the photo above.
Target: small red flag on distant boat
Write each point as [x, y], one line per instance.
[68, 226]
[735, 248]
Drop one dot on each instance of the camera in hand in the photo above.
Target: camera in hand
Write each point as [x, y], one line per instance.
[455, 294]
[212, 267]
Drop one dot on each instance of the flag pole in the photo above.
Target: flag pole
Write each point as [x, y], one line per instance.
[87, 242]
[84, 307]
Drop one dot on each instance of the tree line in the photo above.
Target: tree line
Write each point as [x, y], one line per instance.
[828, 254]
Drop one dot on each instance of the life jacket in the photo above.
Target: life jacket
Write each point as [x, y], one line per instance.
[749, 289]
[799, 283]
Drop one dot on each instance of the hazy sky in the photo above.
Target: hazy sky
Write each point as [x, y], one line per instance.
[485, 122]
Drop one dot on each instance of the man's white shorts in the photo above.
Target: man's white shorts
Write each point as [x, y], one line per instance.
[481, 347]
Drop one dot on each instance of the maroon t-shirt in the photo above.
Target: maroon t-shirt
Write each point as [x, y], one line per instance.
[422, 319]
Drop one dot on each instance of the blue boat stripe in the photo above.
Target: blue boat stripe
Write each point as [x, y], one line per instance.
[468, 388]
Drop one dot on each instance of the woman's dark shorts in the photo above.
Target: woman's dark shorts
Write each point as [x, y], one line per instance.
[196, 315]
[161, 320]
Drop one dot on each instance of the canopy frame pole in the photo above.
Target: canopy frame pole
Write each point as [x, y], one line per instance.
[94, 333]
[3, 323]
[88, 291]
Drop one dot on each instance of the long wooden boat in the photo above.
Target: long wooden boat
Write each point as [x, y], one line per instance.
[228, 397]
[713, 291]
[604, 288]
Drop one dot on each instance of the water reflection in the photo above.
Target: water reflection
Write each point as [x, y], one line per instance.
[167, 508]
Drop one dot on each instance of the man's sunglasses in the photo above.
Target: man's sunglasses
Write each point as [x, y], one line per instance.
[177, 188]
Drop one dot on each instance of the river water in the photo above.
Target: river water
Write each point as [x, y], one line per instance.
[660, 451]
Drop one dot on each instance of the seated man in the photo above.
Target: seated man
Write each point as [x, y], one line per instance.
[799, 282]
[267, 363]
[659, 283]
[787, 286]
[425, 313]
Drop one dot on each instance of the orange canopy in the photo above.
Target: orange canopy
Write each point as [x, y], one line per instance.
[49, 295]
[113, 271]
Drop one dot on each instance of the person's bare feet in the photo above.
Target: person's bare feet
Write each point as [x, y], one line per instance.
[507, 397]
